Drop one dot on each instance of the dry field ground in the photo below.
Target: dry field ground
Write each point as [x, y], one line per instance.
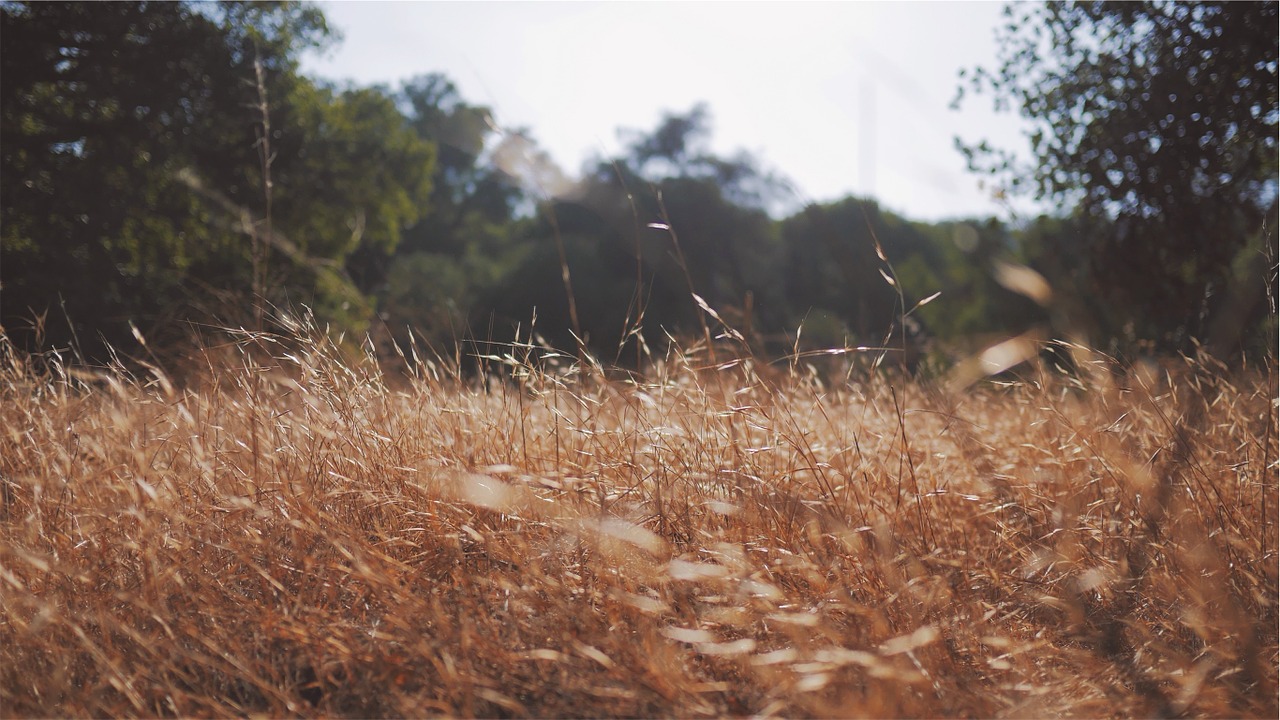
[291, 533]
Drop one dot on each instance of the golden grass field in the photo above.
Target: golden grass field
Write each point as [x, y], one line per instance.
[289, 532]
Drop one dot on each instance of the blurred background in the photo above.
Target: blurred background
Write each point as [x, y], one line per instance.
[841, 98]
[1091, 171]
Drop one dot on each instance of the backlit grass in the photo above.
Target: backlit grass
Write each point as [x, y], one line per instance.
[291, 533]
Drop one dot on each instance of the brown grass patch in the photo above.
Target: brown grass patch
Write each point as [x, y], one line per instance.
[296, 535]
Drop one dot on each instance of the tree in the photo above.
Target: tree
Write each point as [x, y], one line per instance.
[353, 172]
[464, 181]
[130, 176]
[717, 208]
[1156, 123]
[467, 234]
[103, 106]
[85, 138]
[623, 271]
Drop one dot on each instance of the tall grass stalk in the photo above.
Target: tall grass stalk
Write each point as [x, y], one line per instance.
[262, 247]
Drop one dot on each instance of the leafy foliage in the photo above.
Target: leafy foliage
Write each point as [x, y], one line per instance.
[1157, 122]
[102, 105]
[134, 191]
[131, 182]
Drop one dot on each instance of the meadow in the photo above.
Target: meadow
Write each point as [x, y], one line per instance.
[287, 530]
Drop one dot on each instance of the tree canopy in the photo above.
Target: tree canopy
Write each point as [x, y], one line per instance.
[130, 179]
[1156, 123]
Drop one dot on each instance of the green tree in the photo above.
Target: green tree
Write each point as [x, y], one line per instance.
[466, 237]
[833, 272]
[466, 183]
[103, 106]
[1156, 123]
[353, 173]
[93, 128]
[694, 221]
[619, 227]
[132, 182]
[962, 263]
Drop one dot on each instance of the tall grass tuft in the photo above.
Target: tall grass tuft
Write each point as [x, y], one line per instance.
[289, 532]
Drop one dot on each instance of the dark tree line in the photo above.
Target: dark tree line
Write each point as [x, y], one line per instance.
[133, 191]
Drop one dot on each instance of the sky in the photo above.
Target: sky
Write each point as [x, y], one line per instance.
[839, 98]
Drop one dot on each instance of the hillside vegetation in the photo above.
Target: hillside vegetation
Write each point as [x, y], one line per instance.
[289, 532]
[232, 181]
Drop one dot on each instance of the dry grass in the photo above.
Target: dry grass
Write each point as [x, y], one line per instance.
[296, 535]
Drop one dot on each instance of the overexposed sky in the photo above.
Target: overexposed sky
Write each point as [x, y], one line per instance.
[841, 98]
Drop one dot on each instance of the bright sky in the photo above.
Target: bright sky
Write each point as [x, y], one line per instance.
[841, 98]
